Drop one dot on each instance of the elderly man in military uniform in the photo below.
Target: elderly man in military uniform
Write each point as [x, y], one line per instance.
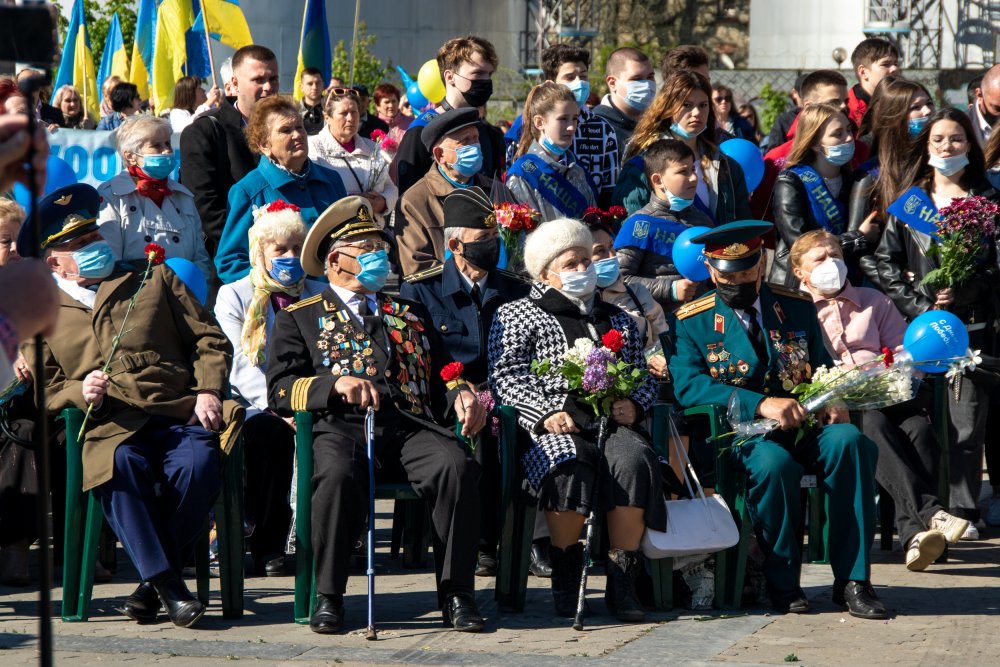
[462, 296]
[759, 341]
[351, 348]
[152, 448]
[452, 139]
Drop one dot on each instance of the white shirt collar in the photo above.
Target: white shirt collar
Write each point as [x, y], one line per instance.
[76, 292]
[352, 299]
[985, 127]
[468, 282]
[745, 317]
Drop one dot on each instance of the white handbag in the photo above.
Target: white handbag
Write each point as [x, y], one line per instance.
[698, 525]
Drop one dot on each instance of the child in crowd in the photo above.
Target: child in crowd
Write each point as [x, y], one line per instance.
[645, 242]
[873, 60]
[545, 174]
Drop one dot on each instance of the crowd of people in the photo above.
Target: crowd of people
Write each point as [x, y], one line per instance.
[425, 264]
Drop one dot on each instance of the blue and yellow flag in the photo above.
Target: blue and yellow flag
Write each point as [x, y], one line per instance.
[114, 61]
[173, 20]
[77, 65]
[226, 22]
[142, 48]
[314, 46]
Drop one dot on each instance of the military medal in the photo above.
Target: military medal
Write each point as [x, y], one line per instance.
[743, 367]
[724, 355]
[712, 356]
[371, 371]
[779, 312]
[732, 369]
[720, 324]
[714, 372]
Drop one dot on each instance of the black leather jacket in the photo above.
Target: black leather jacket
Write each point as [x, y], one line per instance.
[859, 209]
[793, 217]
[903, 251]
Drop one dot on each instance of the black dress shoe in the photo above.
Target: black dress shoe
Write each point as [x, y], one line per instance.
[486, 565]
[143, 604]
[859, 598]
[183, 608]
[328, 616]
[540, 565]
[276, 567]
[461, 613]
[789, 602]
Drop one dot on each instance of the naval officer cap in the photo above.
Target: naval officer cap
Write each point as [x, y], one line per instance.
[469, 207]
[445, 123]
[342, 220]
[735, 246]
[65, 214]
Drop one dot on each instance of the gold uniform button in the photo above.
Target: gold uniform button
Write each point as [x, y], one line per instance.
[444, 327]
[767, 378]
[767, 390]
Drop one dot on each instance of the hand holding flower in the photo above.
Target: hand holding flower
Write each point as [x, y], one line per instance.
[471, 414]
[624, 412]
[95, 386]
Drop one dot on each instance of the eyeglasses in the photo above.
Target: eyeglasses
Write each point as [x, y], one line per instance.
[720, 100]
[367, 246]
[350, 92]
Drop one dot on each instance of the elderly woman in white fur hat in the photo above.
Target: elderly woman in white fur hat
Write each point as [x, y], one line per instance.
[245, 310]
[563, 465]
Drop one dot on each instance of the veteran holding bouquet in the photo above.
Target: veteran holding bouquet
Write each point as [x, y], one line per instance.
[760, 341]
[559, 356]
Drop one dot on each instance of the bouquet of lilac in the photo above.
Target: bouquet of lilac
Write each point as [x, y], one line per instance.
[594, 372]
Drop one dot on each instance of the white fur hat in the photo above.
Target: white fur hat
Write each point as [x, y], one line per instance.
[552, 239]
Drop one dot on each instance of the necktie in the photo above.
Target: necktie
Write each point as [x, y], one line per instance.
[477, 296]
[371, 321]
[756, 335]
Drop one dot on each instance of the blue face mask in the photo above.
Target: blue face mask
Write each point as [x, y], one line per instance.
[677, 204]
[159, 166]
[374, 270]
[286, 270]
[552, 147]
[640, 94]
[684, 134]
[94, 260]
[580, 89]
[914, 125]
[607, 271]
[468, 160]
[840, 154]
[946, 166]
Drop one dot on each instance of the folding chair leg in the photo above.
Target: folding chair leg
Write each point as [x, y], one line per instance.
[229, 531]
[201, 564]
[887, 518]
[415, 534]
[304, 581]
[88, 560]
[398, 521]
[663, 583]
[819, 527]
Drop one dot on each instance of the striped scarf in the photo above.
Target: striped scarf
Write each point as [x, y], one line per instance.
[254, 336]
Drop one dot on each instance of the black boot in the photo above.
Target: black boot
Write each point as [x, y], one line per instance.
[540, 565]
[567, 568]
[182, 607]
[622, 568]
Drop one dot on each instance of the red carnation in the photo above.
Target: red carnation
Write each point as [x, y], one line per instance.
[452, 371]
[281, 205]
[389, 146]
[377, 136]
[887, 357]
[618, 212]
[613, 341]
[155, 253]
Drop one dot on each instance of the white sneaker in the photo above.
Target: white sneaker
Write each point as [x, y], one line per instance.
[953, 527]
[924, 548]
[971, 533]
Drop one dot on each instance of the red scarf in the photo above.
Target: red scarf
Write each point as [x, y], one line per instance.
[152, 188]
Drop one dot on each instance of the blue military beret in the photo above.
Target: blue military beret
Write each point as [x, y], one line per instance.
[734, 246]
[64, 214]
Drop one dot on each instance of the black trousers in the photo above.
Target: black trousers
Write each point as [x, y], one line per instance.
[440, 471]
[908, 455]
[487, 455]
[269, 449]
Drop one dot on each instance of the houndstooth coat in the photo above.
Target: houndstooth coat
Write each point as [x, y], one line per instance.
[544, 325]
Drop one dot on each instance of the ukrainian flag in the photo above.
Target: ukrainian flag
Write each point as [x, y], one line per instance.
[114, 61]
[142, 47]
[76, 67]
[226, 22]
[173, 19]
[314, 46]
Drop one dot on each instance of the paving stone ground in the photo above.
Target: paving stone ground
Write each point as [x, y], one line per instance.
[945, 616]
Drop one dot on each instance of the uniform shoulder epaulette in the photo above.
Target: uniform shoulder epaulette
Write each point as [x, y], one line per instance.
[305, 302]
[706, 302]
[514, 276]
[781, 290]
[425, 274]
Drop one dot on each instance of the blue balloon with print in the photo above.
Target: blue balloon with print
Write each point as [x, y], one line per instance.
[416, 98]
[58, 174]
[936, 336]
[191, 276]
[689, 258]
[747, 154]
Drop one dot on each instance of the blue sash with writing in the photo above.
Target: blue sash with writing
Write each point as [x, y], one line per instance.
[553, 186]
[827, 209]
[917, 211]
[424, 118]
[649, 233]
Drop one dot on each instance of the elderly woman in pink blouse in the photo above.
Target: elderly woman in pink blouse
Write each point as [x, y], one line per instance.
[859, 322]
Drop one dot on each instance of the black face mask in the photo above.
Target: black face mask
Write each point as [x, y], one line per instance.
[991, 119]
[479, 93]
[482, 254]
[738, 297]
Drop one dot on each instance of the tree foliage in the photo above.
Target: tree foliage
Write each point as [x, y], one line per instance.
[775, 103]
[368, 69]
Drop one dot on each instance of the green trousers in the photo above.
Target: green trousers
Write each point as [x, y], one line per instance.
[843, 461]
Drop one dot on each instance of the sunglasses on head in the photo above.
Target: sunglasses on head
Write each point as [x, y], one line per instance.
[350, 92]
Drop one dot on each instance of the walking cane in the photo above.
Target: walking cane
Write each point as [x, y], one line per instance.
[372, 633]
[581, 600]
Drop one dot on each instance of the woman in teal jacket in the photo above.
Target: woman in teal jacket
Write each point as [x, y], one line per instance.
[276, 132]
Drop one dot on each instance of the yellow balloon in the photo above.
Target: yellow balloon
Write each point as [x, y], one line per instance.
[429, 81]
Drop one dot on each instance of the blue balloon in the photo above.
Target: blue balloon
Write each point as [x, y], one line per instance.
[747, 154]
[689, 258]
[416, 98]
[191, 276]
[935, 336]
[59, 174]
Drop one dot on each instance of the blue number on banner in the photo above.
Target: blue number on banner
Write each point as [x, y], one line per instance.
[105, 163]
[77, 158]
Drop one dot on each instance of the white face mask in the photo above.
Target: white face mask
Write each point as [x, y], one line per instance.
[829, 276]
[579, 284]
